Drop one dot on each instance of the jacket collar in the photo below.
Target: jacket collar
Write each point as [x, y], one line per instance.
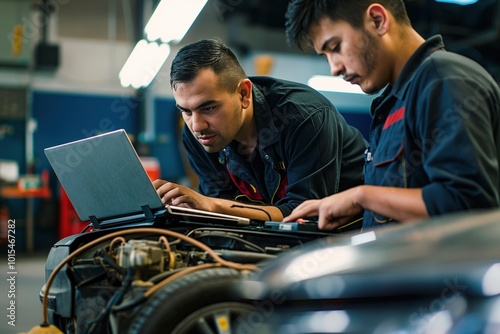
[424, 51]
[405, 78]
[267, 132]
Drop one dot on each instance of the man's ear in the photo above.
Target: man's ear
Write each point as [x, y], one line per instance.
[377, 17]
[245, 91]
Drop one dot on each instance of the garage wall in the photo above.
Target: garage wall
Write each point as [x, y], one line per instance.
[82, 95]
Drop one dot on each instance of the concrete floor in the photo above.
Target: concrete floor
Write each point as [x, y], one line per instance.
[29, 279]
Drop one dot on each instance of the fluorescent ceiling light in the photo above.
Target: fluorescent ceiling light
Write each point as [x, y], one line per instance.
[143, 64]
[169, 23]
[459, 2]
[172, 19]
[333, 84]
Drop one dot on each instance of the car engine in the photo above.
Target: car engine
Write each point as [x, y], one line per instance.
[176, 277]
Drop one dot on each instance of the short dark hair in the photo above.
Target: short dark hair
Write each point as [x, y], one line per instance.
[302, 14]
[206, 54]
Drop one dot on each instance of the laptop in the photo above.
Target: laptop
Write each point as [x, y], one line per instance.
[106, 182]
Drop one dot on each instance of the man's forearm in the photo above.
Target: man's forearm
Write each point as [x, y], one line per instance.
[257, 212]
[397, 203]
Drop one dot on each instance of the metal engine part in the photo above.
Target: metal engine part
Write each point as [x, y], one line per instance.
[141, 254]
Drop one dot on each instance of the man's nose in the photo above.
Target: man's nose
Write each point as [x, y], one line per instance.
[336, 67]
[198, 122]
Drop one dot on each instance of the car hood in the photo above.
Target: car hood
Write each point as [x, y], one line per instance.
[458, 252]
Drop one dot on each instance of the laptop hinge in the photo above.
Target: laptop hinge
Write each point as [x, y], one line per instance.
[95, 222]
[148, 213]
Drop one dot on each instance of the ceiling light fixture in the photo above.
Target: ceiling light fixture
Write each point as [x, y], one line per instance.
[172, 19]
[333, 84]
[459, 2]
[143, 64]
[169, 23]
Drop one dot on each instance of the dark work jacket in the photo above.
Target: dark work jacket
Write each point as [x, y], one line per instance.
[437, 129]
[305, 150]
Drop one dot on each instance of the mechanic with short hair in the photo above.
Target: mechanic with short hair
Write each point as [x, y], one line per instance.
[260, 146]
[435, 137]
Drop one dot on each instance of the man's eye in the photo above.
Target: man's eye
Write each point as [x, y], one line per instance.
[185, 112]
[207, 109]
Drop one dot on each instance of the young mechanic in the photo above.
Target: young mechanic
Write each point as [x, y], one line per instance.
[260, 146]
[434, 140]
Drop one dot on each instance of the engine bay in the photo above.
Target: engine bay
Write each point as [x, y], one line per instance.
[100, 280]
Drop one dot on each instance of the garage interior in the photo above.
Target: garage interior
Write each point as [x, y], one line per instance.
[62, 80]
[59, 67]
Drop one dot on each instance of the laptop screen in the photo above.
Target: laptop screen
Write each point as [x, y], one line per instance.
[103, 176]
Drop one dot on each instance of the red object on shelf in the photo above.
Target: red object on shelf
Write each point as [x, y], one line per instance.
[4, 224]
[152, 167]
[30, 194]
[69, 222]
[15, 192]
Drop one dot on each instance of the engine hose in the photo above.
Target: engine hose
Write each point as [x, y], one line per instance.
[215, 256]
